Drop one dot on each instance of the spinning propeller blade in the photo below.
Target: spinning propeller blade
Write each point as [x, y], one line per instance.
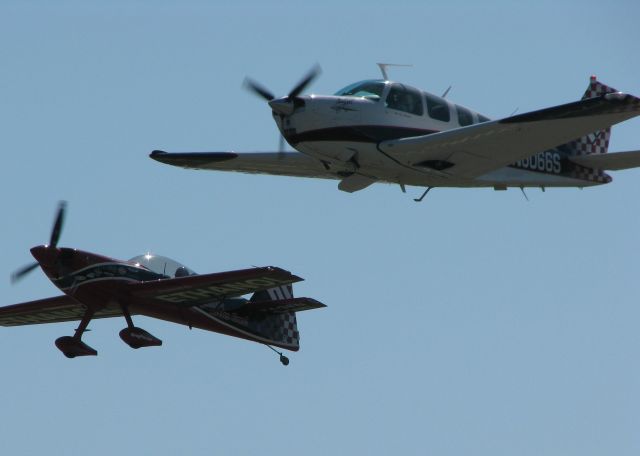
[53, 242]
[283, 106]
[312, 74]
[57, 226]
[20, 273]
[258, 89]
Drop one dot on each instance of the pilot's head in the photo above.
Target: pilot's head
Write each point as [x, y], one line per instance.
[182, 272]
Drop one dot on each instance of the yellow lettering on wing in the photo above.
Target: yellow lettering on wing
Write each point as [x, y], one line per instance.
[217, 291]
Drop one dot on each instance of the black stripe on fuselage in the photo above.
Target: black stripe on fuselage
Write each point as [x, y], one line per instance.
[103, 271]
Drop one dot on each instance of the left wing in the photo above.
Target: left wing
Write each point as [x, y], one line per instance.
[50, 310]
[472, 151]
[199, 289]
[276, 163]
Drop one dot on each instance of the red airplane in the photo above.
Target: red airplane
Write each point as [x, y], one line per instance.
[96, 286]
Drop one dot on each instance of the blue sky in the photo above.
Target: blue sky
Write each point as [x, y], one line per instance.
[473, 323]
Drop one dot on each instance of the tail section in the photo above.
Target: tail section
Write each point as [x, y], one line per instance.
[272, 313]
[591, 144]
[598, 141]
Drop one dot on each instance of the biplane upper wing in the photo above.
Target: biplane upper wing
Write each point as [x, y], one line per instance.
[50, 310]
[472, 151]
[198, 289]
[275, 163]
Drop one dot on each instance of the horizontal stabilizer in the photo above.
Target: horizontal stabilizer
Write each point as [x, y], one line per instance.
[280, 306]
[611, 161]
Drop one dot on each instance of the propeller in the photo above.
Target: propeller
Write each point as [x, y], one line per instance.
[283, 106]
[53, 242]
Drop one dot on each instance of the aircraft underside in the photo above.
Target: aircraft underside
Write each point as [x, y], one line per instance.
[366, 159]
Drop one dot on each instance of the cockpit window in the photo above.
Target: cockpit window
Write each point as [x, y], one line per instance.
[405, 99]
[437, 108]
[162, 265]
[464, 116]
[371, 90]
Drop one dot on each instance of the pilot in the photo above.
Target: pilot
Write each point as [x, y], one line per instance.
[182, 272]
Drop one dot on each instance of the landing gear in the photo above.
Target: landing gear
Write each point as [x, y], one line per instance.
[417, 200]
[283, 359]
[136, 337]
[72, 346]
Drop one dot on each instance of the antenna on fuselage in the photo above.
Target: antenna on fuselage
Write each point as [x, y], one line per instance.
[384, 66]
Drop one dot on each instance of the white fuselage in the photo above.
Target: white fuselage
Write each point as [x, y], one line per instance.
[344, 133]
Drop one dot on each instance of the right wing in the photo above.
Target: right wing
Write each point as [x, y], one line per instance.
[51, 310]
[276, 163]
[199, 289]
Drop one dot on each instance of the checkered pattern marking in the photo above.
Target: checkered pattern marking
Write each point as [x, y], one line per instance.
[594, 143]
[597, 142]
[281, 328]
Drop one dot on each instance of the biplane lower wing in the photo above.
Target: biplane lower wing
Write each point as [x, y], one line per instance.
[198, 289]
[51, 310]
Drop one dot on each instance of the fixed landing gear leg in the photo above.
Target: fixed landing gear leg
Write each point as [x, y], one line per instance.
[283, 359]
[72, 346]
[417, 200]
[136, 337]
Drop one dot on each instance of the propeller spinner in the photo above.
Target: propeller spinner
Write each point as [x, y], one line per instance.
[53, 242]
[283, 106]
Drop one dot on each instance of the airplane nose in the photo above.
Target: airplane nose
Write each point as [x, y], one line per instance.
[282, 106]
[45, 255]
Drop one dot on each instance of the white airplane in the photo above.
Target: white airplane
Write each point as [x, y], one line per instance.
[384, 131]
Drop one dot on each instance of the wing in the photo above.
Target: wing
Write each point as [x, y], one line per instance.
[199, 289]
[611, 161]
[276, 163]
[472, 151]
[50, 310]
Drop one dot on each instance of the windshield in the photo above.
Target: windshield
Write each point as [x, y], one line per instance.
[162, 265]
[366, 89]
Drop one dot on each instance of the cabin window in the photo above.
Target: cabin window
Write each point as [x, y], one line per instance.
[437, 108]
[482, 118]
[405, 99]
[371, 90]
[464, 116]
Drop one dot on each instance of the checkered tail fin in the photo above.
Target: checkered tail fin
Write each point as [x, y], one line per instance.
[598, 141]
[281, 328]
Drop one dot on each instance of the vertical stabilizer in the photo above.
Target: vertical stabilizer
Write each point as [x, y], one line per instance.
[598, 141]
